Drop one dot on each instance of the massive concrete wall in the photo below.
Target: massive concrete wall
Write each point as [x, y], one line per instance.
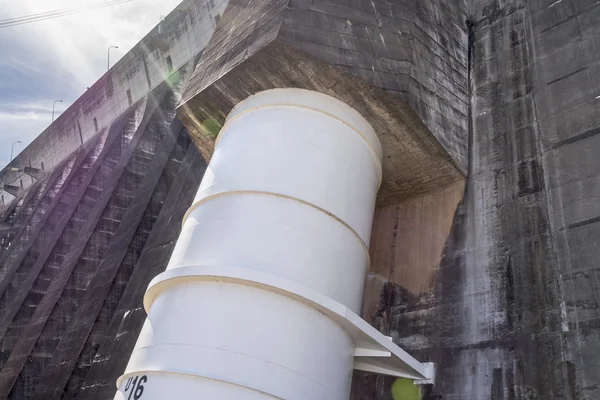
[513, 310]
[567, 48]
[344, 49]
[180, 37]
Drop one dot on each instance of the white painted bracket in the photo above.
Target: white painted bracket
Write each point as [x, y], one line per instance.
[374, 352]
[430, 372]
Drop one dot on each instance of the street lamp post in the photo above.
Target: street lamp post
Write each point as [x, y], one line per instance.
[12, 148]
[108, 58]
[53, 104]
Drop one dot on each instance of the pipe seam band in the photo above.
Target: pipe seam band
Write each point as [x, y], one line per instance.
[315, 110]
[265, 193]
[354, 325]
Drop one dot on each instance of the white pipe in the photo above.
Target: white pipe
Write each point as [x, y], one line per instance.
[260, 297]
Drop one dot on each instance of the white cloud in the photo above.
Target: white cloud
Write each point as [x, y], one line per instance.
[79, 42]
[24, 122]
[24, 127]
[6, 118]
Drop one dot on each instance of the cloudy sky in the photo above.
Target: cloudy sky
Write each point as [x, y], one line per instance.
[58, 59]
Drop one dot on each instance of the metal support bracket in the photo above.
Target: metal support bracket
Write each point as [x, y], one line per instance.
[374, 351]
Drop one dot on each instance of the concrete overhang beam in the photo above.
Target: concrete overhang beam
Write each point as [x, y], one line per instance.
[244, 58]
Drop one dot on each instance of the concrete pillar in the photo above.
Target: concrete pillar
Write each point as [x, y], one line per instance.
[261, 295]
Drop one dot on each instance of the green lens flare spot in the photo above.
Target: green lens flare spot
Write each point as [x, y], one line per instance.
[174, 78]
[211, 127]
[405, 389]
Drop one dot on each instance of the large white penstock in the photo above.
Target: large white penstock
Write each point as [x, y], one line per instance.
[261, 297]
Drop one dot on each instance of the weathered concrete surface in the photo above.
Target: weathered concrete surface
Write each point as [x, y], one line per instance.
[35, 173]
[415, 50]
[97, 221]
[287, 46]
[567, 45]
[16, 191]
[513, 312]
[413, 163]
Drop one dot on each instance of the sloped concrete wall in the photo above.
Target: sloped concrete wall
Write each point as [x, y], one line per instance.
[102, 226]
[182, 35]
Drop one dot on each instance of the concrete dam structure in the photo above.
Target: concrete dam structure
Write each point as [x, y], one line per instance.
[317, 199]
